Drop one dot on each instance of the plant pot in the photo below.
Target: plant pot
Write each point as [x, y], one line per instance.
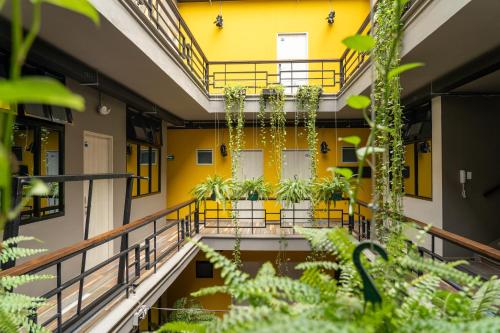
[336, 196]
[212, 196]
[253, 196]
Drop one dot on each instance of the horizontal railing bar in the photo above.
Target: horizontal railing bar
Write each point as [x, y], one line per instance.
[274, 61]
[71, 178]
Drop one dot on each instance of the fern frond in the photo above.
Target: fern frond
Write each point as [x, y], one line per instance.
[17, 240]
[13, 253]
[443, 270]
[325, 265]
[7, 324]
[486, 300]
[11, 282]
[487, 325]
[419, 297]
[229, 271]
[208, 291]
[12, 302]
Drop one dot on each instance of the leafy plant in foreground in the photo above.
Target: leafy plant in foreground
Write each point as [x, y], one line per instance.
[328, 296]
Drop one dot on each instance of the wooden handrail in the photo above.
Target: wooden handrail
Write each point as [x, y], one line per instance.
[43, 261]
[461, 241]
[451, 237]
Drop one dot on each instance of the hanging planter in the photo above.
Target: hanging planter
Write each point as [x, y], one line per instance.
[254, 189]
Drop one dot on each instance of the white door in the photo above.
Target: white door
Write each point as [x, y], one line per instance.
[251, 166]
[98, 158]
[296, 164]
[290, 47]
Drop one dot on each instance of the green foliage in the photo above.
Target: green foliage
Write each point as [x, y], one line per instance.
[191, 311]
[328, 297]
[308, 100]
[277, 123]
[216, 188]
[360, 43]
[329, 189]
[254, 189]
[292, 191]
[358, 102]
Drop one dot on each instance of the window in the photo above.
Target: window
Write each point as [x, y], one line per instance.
[204, 156]
[349, 155]
[38, 149]
[418, 152]
[143, 152]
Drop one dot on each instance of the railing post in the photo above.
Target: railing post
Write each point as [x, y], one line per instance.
[188, 226]
[368, 229]
[351, 223]
[12, 228]
[147, 254]
[182, 229]
[85, 237]
[126, 220]
[197, 217]
[341, 74]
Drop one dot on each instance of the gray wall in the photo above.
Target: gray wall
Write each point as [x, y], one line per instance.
[59, 232]
[471, 141]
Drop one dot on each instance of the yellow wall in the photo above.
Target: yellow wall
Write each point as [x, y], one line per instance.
[250, 33]
[187, 282]
[424, 181]
[183, 173]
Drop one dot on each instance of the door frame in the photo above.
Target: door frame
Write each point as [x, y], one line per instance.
[109, 139]
[277, 49]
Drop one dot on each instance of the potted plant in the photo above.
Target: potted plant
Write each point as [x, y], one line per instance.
[329, 189]
[292, 191]
[214, 188]
[254, 189]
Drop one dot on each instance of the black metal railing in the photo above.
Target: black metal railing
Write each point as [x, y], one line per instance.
[163, 19]
[119, 272]
[291, 74]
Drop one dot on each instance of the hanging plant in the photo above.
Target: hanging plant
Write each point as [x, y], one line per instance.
[274, 98]
[234, 98]
[308, 101]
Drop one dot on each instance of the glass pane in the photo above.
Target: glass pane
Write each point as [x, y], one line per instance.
[35, 110]
[132, 165]
[50, 148]
[425, 170]
[204, 156]
[349, 155]
[155, 170]
[144, 170]
[23, 149]
[409, 180]
[60, 114]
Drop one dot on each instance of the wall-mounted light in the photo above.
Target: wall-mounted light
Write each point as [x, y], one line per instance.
[324, 147]
[424, 147]
[219, 21]
[223, 150]
[331, 17]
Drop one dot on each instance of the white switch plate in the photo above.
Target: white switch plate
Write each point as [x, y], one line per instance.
[469, 175]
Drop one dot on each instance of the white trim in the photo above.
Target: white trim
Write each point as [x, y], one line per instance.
[204, 150]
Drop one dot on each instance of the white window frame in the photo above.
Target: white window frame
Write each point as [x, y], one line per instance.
[204, 150]
[154, 156]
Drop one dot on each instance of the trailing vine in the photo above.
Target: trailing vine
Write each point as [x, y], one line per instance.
[277, 123]
[234, 98]
[308, 100]
[388, 191]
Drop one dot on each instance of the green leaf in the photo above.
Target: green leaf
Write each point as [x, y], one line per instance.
[353, 140]
[368, 150]
[360, 43]
[38, 188]
[39, 90]
[78, 6]
[345, 172]
[403, 68]
[358, 102]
